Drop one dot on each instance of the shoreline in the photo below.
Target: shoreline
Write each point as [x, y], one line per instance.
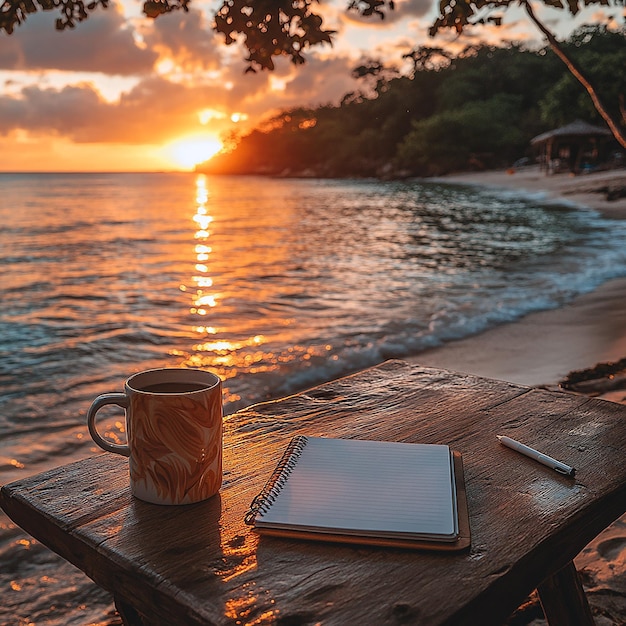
[541, 349]
[588, 190]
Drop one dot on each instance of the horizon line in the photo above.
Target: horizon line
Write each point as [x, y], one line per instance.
[99, 172]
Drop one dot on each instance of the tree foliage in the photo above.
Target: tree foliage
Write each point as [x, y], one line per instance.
[271, 29]
[460, 138]
[477, 110]
[616, 124]
[458, 15]
[603, 68]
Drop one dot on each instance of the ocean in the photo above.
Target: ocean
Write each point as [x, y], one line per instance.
[276, 285]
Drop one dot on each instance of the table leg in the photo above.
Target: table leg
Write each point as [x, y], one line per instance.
[563, 599]
[130, 617]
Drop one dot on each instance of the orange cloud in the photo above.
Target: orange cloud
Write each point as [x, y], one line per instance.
[157, 110]
[185, 38]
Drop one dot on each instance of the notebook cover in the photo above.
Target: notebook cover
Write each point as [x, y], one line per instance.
[462, 542]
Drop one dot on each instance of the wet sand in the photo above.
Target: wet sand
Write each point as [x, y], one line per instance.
[542, 348]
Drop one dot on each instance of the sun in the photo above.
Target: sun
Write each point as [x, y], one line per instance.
[187, 152]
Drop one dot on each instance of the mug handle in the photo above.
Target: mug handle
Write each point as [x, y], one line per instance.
[119, 399]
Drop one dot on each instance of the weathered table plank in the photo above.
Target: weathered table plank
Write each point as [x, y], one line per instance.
[200, 564]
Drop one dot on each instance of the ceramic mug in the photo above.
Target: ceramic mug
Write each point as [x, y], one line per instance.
[174, 432]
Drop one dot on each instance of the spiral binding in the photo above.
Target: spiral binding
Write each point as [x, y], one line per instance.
[264, 500]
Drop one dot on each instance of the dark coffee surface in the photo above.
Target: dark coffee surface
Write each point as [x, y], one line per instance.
[173, 387]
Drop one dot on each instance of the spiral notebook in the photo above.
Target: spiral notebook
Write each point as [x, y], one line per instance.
[362, 491]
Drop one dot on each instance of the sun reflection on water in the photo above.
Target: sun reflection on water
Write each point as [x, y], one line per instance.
[202, 301]
[227, 356]
[243, 315]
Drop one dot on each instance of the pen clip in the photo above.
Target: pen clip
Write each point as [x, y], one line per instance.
[563, 471]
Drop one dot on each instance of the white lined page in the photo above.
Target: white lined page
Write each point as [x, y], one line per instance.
[370, 488]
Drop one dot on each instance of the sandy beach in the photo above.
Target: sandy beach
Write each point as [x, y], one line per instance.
[542, 348]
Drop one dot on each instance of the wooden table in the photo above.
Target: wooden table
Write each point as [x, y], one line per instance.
[200, 564]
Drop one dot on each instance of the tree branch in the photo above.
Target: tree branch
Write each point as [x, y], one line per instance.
[578, 73]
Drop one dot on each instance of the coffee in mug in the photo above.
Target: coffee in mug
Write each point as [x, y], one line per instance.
[174, 431]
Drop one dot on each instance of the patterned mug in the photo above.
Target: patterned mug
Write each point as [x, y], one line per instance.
[174, 431]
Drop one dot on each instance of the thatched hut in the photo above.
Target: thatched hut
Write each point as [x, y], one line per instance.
[573, 147]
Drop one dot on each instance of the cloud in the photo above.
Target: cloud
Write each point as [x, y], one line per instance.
[187, 38]
[102, 43]
[156, 109]
[76, 112]
[411, 8]
[320, 81]
[153, 112]
[173, 68]
[403, 9]
[48, 110]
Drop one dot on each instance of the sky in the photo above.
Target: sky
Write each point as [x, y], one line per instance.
[122, 92]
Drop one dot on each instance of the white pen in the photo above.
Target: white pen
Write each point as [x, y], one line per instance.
[559, 467]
